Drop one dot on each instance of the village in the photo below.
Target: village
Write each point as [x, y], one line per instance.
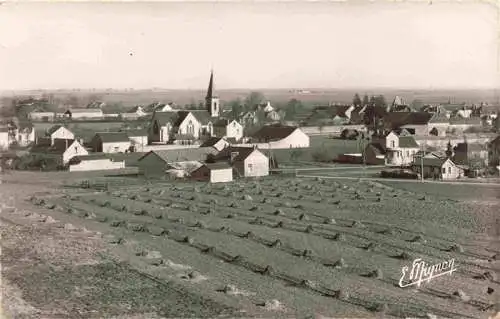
[445, 142]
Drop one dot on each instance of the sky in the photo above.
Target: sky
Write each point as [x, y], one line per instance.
[249, 45]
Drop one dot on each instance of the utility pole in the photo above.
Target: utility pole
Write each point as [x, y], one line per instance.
[422, 162]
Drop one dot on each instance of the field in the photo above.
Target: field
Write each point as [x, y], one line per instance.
[282, 247]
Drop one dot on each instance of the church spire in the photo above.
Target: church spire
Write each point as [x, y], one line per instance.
[210, 91]
[212, 102]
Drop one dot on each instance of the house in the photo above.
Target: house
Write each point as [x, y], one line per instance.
[277, 136]
[59, 132]
[471, 155]
[156, 163]
[462, 125]
[159, 107]
[399, 104]
[110, 142]
[133, 114]
[494, 151]
[94, 162]
[41, 115]
[417, 123]
[399, 150]
[25, 134]
[228, 128]
[213, 172]
[4, 138]
[167, 127]
[246, 161]
[78, 114]
[219, 143]
[436, 168]
[60, 152]
[138, 138]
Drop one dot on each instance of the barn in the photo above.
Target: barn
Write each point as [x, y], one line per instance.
[246, 161]
[277, 136]
[214, 173]
[94, 162]
[110, 142]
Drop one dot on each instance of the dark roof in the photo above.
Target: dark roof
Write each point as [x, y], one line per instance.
[211, 141]
[110, 137]
[181, 116]
[184, 154]
[53, 129]
[215, 166]
[271, 132]
[398, 119]
[59, 147]
[407, 142]
[469, 147]
[86, 110]
[378, 148]
[91, 157]
[165, 117]
[204, 116]
[138, 132]
[221, 123]
[431, 162]
[243, 153]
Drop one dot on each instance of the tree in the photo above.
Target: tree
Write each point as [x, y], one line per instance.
[253, 99]
[292, 108]
[366, 101]
[356, 101]
[236, 108]
[449, 150]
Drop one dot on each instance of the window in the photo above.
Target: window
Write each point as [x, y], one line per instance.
[190, 128]
[393, 144]
[250, 167]
[444, 170]
[407, 153]
[449, 169]
[116, 148]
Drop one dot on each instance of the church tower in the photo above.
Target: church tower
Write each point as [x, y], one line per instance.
[212, 102]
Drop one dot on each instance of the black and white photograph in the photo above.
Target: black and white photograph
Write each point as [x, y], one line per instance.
[249, 159]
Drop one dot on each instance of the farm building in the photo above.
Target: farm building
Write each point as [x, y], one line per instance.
[75, 114]
[470, 154]
[214, 173]
[494, 151]
[277, 136]
[218, 143]
[438, 168]
[156, 163]
[137, 138]
[94, 162]
[40, 115]
[247, 161]
[60, 152]
[133, 114]
[228, 129]
[110, 142]
[59, 132]
[4, 138]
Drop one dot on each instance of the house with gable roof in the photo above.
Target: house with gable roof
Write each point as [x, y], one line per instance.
[399, 150]
[219, 143]
[228, 129]
[59, 132]
[110, 142]
[246, 161]
[59, 153]
[280, 136]
[134, 113]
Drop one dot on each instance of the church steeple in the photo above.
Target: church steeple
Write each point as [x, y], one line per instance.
[211, 101]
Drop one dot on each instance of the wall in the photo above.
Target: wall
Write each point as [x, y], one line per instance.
[62, 133]
[102, 164]
[4, 140]
[221, 175]
[183, 128]
[75, 149]
[26, 138]
[392, 141]
[139, 140]
[234, 130]
[152, 166]
[42, 115]
[110, 147]
[259, 165]
[330, 130]
[87, 115]
[451, 171]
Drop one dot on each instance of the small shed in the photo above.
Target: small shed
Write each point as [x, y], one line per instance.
[213, 172]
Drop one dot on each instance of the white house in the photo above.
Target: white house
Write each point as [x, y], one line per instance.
[228, 129]
[213, 172]
[59, 132]
[279, 137]
[110, 142]
[438, 168]
[25, 134]
[92, 113]
[399, 150]
[61, 152]
[138, 138]
[4, 138]
[94, 162]
[246, 161]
